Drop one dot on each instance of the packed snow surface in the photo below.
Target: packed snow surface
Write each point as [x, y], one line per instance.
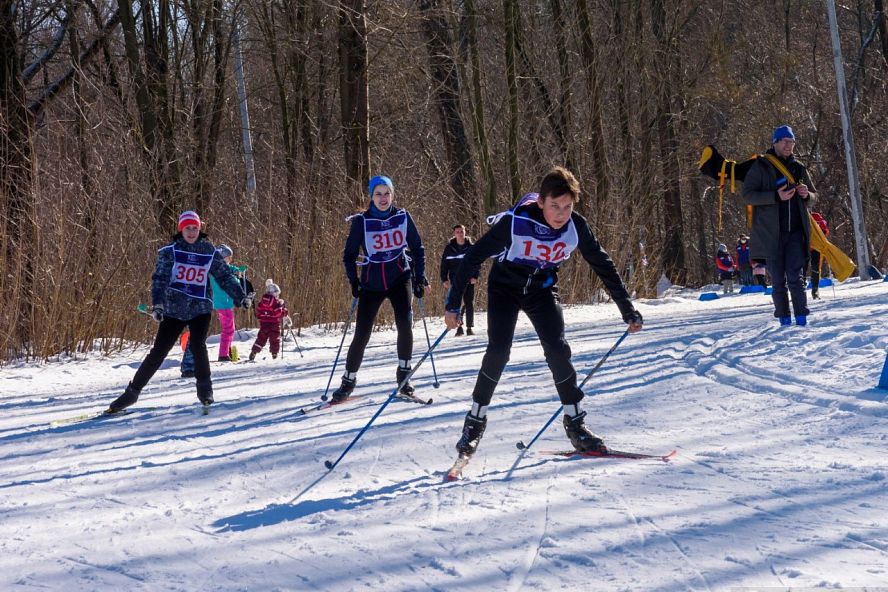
[779, 481]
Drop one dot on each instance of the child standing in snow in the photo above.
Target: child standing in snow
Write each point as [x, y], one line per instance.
[533, 239]
[760, 272]
[725, 264]
[271, 312]
[182, 297]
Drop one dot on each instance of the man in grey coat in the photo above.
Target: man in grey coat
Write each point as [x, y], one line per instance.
[780, 192]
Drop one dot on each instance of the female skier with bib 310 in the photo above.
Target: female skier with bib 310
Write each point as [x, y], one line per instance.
[533, 239]
[385, 233]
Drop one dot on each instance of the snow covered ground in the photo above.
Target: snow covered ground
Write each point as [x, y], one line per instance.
[779, 482]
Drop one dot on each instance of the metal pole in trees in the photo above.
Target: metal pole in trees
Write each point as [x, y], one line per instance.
[244, 114]
[860, 241]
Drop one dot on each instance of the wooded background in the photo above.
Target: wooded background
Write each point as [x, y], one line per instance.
[116, 116]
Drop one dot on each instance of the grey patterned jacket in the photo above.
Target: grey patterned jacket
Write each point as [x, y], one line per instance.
[180, 305]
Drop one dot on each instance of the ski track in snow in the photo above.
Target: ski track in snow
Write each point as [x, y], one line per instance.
[780, 477]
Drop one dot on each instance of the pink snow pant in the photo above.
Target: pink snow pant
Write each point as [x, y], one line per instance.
[226, 319]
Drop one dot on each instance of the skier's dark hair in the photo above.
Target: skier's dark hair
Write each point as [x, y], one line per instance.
[455, 226]
[559, 181]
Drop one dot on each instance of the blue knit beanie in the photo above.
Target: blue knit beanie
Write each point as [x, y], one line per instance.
[784, 131]
[379, 180]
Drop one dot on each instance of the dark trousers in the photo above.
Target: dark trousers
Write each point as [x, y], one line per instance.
[543, 309]
[270, 332]
[167, 336]
[815, 273]
[469, 305]
[787, 267]
[368, 306]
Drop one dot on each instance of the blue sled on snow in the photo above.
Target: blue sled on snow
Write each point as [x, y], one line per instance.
[751, 289]
[824, 282]
[883, 382]
[708, 296]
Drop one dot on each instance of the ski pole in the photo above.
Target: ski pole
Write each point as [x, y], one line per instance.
[299, 349]
[339, 351]
[331, 465]
[521, 445]
[435, 384]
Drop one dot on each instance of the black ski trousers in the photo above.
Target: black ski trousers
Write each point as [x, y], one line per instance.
[469, 305]
[368, 306]
[787, 267]
[167, 336]
[543, 309]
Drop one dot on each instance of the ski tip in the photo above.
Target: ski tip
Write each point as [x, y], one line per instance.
[451, 477]
[429, 402]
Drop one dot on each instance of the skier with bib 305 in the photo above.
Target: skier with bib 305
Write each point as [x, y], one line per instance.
[533, 239]
[383, 272]
[182, 297]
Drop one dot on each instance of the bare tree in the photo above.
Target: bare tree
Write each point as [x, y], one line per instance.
[354, 94]
[445, 77]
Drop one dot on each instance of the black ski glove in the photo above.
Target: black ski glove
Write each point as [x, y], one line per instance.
[419, 286]
[633, 317]
[157, 313]
[356, 289]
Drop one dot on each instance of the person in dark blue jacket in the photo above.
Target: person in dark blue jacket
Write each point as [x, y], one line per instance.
[182, 297]
[383, 272]
[450, 259]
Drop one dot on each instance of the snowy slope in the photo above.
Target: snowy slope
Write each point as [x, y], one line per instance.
[779, 481]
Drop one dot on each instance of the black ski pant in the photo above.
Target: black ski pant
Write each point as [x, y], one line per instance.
[468, 307]
[167, 336]
[787, 267]
[543, 309]
[368, 306]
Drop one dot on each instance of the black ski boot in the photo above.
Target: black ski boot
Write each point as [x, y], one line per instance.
[205, 391]
[473, 429]
[345, 390]
[582, 439]
[129, 397]
[407, 389]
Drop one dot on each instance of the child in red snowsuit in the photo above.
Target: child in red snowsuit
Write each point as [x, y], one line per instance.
[270, 311]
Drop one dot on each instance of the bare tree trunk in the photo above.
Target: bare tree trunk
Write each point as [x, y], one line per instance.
[446, 78]
[883, 30]
[476, 98]
[243, 111]
[155, 124]
[354, 94]
[566, 81]
[600, 173]
[16, 177]
[671, 166]
[511, 23]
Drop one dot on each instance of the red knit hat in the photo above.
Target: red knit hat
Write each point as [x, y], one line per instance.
[188, 218]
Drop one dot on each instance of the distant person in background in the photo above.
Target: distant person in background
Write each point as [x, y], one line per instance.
[726, 270]
[744, 264]
[778, 188]
[816, 258]
[450, 259]
[760, 272]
